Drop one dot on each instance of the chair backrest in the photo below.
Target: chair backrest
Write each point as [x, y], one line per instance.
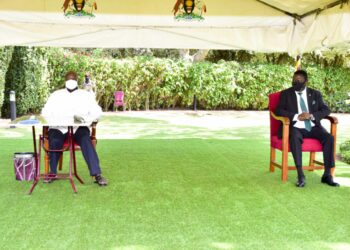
[273, 102]
[119, 97]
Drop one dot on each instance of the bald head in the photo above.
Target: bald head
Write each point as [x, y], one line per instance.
[71, 75]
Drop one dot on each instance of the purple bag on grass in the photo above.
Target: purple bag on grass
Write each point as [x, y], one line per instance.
[25, 169]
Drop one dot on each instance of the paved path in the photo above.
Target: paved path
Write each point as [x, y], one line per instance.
[215, 119]
[205, 120]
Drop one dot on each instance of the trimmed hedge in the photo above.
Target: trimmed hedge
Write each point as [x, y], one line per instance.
[27, 76]
[155, 83]
[165, 83]
[5, 57]
[345, 151]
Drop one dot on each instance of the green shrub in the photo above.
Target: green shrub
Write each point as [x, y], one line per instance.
[5, 57]
[334, 84]
[162, 83]
[345, 151]
[27, 76]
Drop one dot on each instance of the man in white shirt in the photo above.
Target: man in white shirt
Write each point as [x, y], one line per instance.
[62, 107]
[89, 86]
[305, 109]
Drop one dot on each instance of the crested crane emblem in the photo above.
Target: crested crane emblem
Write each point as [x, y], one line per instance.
[189, 10]
[79, 8]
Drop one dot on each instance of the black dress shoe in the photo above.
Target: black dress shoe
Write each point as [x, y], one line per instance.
[301, 182]
[100, 180]
[328, 179]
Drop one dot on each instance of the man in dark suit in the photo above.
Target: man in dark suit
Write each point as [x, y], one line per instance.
[305, 109]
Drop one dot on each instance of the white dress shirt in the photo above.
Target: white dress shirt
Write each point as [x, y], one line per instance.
[301, 124]
[89, 87]
[62, 106]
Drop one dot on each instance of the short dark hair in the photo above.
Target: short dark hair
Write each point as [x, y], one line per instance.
[303, 73]
[70, 74]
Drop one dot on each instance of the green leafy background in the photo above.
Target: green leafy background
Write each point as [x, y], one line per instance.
[159, 83]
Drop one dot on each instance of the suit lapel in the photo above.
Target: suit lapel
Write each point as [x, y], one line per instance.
[309, 99]
[294, 102]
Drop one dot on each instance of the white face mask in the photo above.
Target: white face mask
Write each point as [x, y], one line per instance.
[71, 84]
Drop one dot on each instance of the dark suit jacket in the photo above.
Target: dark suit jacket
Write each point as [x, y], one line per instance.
[288, 106]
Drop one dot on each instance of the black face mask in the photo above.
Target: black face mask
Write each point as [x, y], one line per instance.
[298, 86]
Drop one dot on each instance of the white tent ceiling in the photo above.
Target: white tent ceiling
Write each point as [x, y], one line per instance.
[299, 7]
[257, 25]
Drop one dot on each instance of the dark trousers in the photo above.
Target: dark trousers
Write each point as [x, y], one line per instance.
[319, 133]
[82, 138]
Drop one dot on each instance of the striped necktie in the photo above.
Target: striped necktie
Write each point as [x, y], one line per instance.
[304, 109]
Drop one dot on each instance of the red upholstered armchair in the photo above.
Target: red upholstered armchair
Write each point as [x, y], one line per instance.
[309, 145]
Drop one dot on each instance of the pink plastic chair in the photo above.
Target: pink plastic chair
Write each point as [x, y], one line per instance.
[119, 100]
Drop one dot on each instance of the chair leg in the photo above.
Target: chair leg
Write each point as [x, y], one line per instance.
[37, 175]
[47, 163]
[312, 161]
[333, 171]
[71, 171]
[75, 168]
[71, 159]
[284, 166]
[272, 159]
[60, 162]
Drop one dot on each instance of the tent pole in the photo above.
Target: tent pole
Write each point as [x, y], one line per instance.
[317, 11]
[298, 63]
[278, 9]
[331, 5]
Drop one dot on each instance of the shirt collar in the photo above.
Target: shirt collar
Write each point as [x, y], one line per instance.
[72, 91]
[302, 92]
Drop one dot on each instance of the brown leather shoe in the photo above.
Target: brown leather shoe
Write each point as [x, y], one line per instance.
[100, 180]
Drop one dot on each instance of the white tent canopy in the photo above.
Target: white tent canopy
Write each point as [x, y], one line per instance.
[258, 25]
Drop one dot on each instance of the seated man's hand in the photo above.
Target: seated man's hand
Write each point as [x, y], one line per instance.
[78, 119]
[304, 116]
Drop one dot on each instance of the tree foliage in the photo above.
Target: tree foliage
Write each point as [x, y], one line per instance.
[345, 151]
[27, 75]
[162, 83]
[5, 57]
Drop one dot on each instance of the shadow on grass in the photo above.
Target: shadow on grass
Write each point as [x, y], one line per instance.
[169, 192]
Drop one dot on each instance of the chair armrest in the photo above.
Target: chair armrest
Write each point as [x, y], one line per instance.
[334, 122]
[46, 132]
[45, 137]
[283, 119]
[332, 119]
[285, 131]
[93, 131]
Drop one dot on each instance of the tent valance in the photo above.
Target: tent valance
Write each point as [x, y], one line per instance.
[228, 24]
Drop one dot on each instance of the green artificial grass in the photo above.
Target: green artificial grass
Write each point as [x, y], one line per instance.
[174, 191]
